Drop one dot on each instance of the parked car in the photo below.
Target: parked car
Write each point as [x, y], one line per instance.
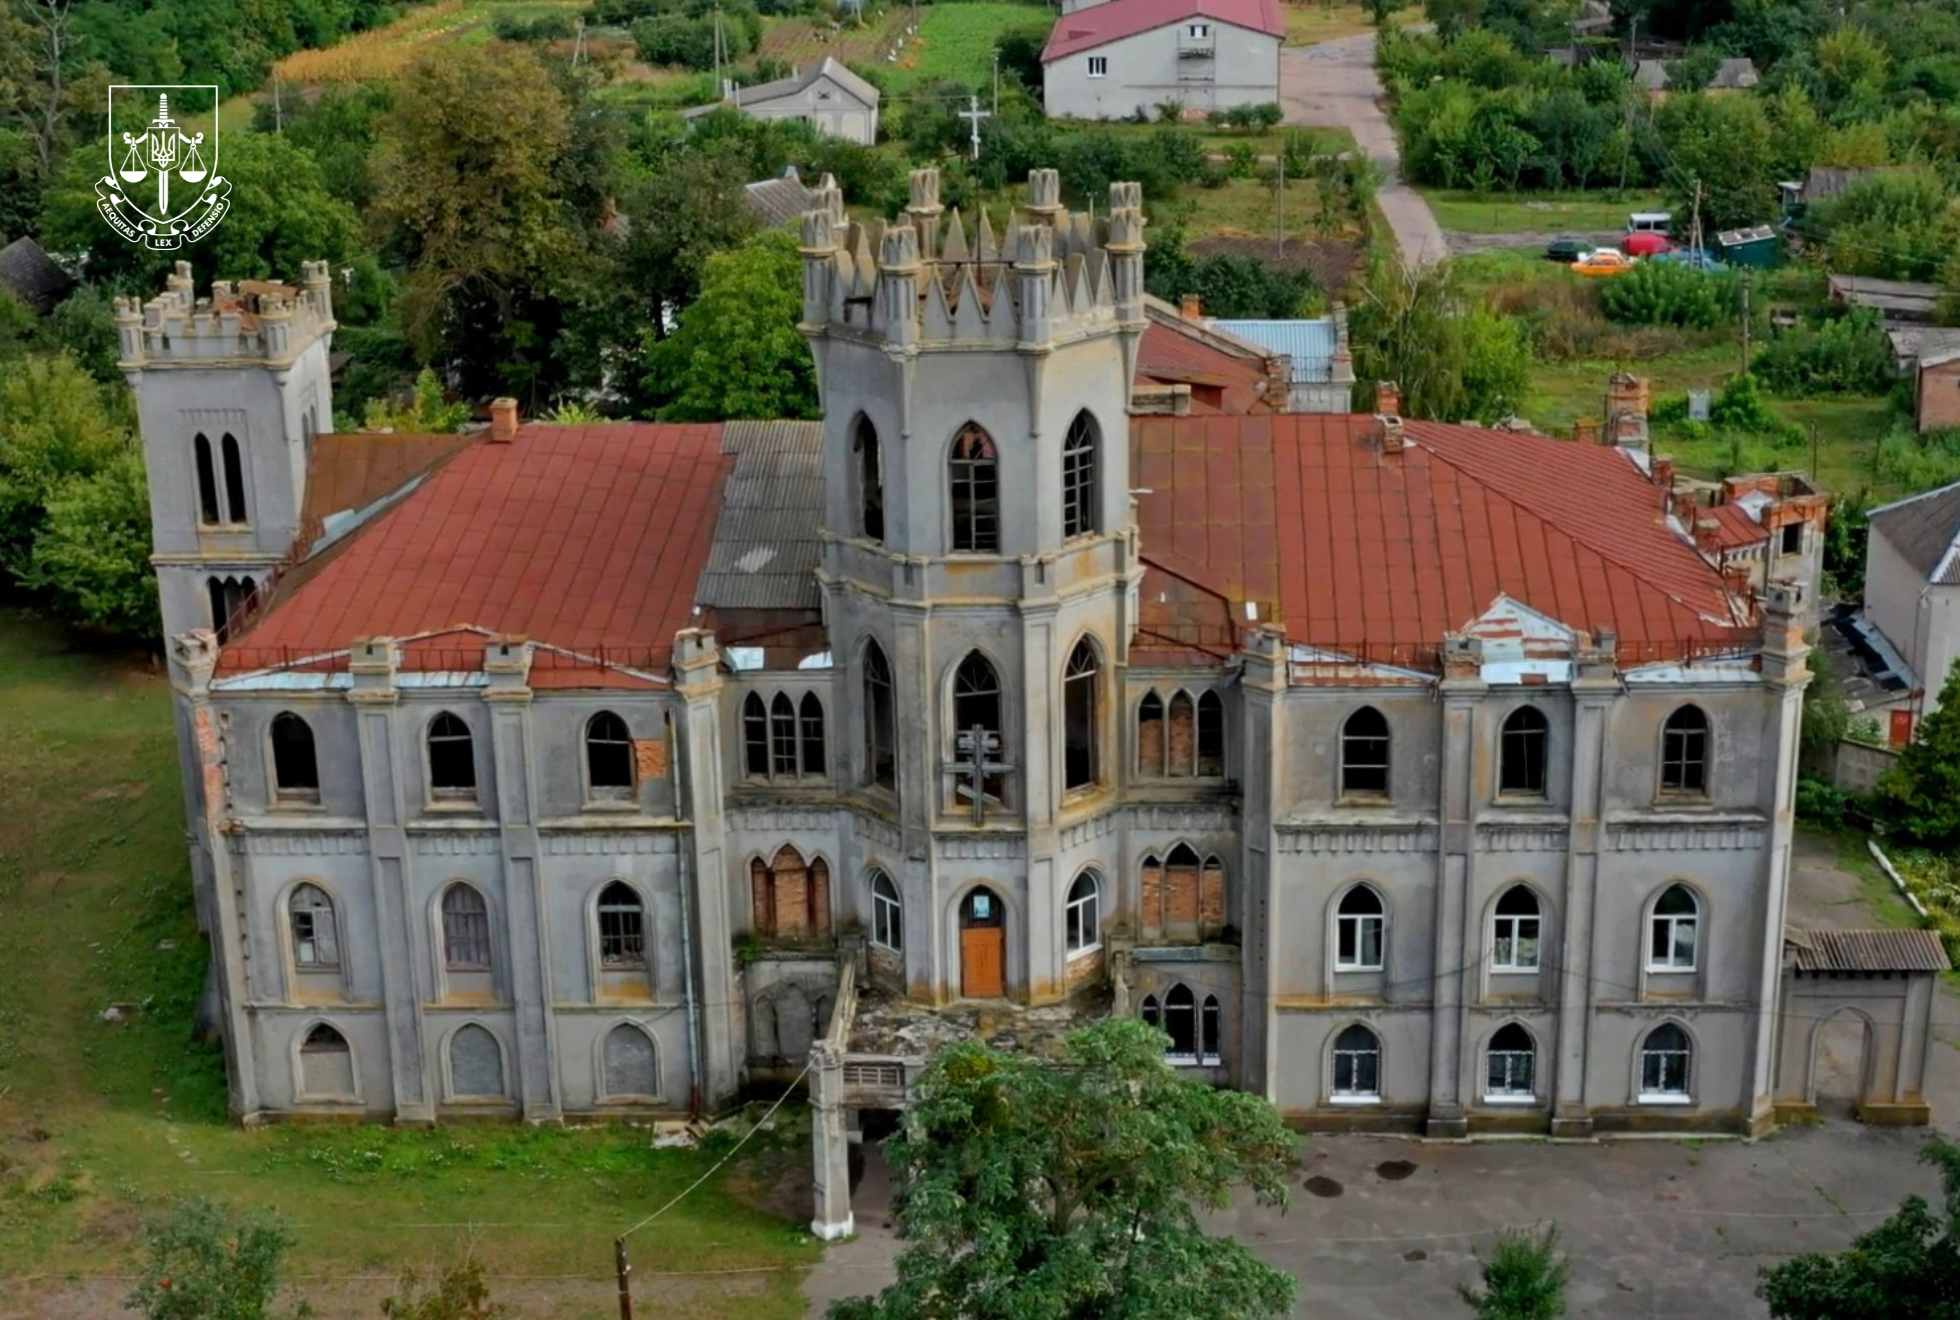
[1645, 243]
[1603, 262]
[1567, 250]
[1692, 258]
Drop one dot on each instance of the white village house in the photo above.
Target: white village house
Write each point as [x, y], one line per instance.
[827, 95]
[1120, 58]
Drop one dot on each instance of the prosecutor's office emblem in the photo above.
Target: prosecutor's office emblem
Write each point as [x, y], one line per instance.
[162, 189]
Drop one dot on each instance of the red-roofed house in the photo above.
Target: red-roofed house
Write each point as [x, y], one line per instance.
[1417, 776]
[1121, 58]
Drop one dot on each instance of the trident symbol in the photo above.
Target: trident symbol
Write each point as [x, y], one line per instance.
[157, 148]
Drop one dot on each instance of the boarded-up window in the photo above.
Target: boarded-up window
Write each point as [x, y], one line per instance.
[630, 1066]
[326, 1065]
[476, 1063]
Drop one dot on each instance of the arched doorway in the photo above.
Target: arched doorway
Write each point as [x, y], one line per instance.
[1840, 1064]
[983, 945]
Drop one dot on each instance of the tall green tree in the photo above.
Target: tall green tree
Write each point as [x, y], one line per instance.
[1726, 144]
[1523, 1278]
[1454, 361]
[1070, 1189]
[92, 551]
[1920, 794]
[738, 352]
[1908, 1268]
[56, 425]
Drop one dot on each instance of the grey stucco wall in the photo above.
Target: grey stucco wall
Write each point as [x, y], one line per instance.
[1145, 70]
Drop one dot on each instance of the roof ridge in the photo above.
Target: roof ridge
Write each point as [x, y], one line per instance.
[1911, 499]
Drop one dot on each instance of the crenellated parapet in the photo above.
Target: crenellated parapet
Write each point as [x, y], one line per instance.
[261, 322]
[927, 279]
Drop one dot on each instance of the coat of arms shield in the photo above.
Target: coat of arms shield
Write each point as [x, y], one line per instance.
[163, 189]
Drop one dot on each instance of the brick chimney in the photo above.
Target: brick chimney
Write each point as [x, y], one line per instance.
[1706, 530]
[1664, 471]
[503, 421]
[1586, 430]
[1192, 307]
[1388, 398]
[1390, 426]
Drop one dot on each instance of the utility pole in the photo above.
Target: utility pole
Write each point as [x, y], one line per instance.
[278, 110]
[1694, 229]
[1745, 329]
[720, 90]
[1279, 204]
[1813, 453]
[996, 80]
[625, 1286]
[973, 114]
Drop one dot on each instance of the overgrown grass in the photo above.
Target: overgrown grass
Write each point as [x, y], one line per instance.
[1577, 213]
[101, 1123]
[956, 41]
[1311, 21]
[1245, 206]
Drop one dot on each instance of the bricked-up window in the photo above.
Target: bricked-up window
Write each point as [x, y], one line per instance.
[476, 1063]
[1082, 915]
[1079, 477]
[295, 768]
[1181, 1024]
[975, 473]
[316, 942]
[622, 928]
[1684, 752]
[1522, 753]
[880, 720]
[1182, 897]
[207, 482]
[1357, 1065]
[887, 913]
[1081, 729]
[1360, 923]
[452, 758]
[632, 1067]
[755, 737]
[791, 897]
[1514, 931]
[1674, 931]
[1150, 735]
[1509, 1064]
[608, 757]
[1364, 754]
[234, 480]
[870, 480]
[1182, 739]
[976, 704]
[326, 1064]
[1211, 735]
[465, 930]
[1665, 1058]
[810, 721]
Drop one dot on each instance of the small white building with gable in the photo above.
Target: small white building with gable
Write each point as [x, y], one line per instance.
[827, 95]
[1119, 58]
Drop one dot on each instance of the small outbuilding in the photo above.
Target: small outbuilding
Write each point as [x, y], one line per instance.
[1856, 1021]
[31, 275]
[826, 95]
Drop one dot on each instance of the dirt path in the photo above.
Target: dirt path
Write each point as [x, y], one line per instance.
[1333, 85]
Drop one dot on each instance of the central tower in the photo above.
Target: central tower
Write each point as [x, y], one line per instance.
[980, 550]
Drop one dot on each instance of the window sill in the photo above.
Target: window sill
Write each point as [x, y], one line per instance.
[1663, 969]
[1497, 969]
[612, 806]
[453, 806]
[1365, 801]
[297, 806]
[1357, 969]
[1664, 1100]
[1194, 1060]
[1518, 1100]
[1076, 955]
[1354, 1099]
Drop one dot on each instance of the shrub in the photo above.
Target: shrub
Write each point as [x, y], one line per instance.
[203, 1262]
[1847, 355]
[545, 27]
[1821, 803]
[1663, 293]
[1240, 160]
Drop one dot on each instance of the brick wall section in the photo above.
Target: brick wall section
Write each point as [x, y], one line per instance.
[792, 886]
[1939, 396]
[1211, 898]
[1181, 900]
[1150, 745]
[1183, 734]
[762, 899]
[1083, 971]
[1152, 916]
[819, 897]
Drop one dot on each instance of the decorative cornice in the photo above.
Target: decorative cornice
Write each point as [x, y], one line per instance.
[300, 843]
[1684, 836]
[877, 830]
[982, 847]
[1387, 837]
[781, 819]
[455, 843]
[1077, 833]
[609, 843]
[1183, 819]
[1501, 837]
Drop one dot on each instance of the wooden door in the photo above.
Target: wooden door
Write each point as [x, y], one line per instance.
[983, 962]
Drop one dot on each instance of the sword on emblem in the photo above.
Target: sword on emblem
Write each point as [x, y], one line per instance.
[159, 147]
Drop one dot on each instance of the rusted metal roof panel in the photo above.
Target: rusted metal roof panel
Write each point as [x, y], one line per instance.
[764, 554]
[1867, 950]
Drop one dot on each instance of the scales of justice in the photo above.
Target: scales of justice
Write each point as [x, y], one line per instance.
[163, 148]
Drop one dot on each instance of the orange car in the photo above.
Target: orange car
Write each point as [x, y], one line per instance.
[1604, 261]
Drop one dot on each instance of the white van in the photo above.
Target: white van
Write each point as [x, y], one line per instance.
[1651, 222]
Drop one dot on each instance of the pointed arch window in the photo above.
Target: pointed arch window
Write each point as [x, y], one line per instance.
[231, 601]
[755, 737]
[1674, 931]
[1182, 736]
[1082, 915]
[1208, 1030]
[976, 706]
[1361, 922]
[1684, 752]
[1183, 898]
[1357, 1065]
[810, 721]
[1181, 1024]
[1522, 753]
[974, 470]
[1515, 931]
[316, 940]
[622, 928]
[783, 740]
[1211, 735]
[1510, 1064]
[782, 737]
[1364, 754]
[887, 913]
[608, 757]
[452, 758]
[1150, 734]
[207, 480]
[465, 930]
[870, 480]
[1081, 729]
[295, 768]
[326, 1065]
[476, 1064]
[1150, 1011]
[1079, 478]
[791, 897]
[631, 1064]
[880, 722]
[1666, 1057]
[234, 479]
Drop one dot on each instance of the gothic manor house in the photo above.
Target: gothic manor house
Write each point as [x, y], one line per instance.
[1413, 775]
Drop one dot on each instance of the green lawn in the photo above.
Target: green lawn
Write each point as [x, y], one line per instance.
[1311, 21]
[1537, 213]
[101, 1124]
[1244, 206]
[956, 41]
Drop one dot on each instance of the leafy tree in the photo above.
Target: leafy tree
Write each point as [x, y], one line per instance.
[1728, 145]
[56, 424]
[204, 1262]
[690, 207]
[1899, 224]
[1826, 717]
[1664, 293]
[84, 326]
[1071, 1188]
[1920, 795]
[425, 413]
[339, 128]
[1523, 1277]
[92, 558]
[1453, 362]
[1844, 547]
[1908, 1268]
[459, 1293]
[737, 352]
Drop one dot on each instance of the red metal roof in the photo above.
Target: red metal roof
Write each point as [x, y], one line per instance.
[1112, 20]
[1380, 554]
[587, 538]
[1220, 381]
[1734, 527]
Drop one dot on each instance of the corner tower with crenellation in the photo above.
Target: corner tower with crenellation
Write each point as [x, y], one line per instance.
[980, 550]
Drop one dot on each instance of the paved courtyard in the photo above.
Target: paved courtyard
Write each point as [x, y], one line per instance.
[1384, 1228]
